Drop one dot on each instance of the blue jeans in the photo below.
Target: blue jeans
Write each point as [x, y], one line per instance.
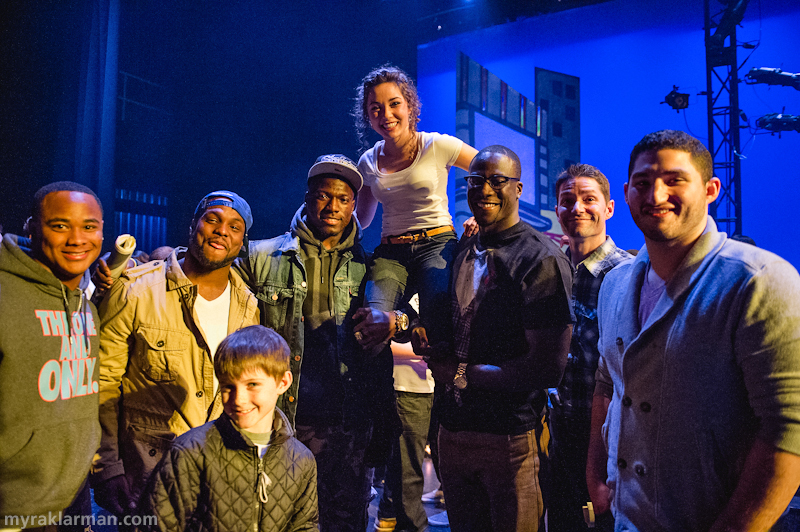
[567, 491]
[401, 270]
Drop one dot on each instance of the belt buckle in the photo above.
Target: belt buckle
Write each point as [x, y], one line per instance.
[408, 239]
[419, 236]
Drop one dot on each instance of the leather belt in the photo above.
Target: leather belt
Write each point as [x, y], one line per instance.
[413, 236]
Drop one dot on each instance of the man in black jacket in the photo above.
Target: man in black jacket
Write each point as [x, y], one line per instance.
[512, 320]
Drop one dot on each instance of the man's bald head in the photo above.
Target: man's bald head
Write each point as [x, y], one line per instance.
[489, 151]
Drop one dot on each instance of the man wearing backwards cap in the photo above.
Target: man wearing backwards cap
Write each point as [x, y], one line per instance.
[160, 326]
[310, 285]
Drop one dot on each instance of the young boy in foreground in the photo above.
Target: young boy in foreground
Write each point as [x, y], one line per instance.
[246, 470]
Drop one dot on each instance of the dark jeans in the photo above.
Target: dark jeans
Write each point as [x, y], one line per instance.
[567, 491]
[343, 482]
[402, 270]
[433, 430]
[491, 481]
[402, 492]
[79, 510]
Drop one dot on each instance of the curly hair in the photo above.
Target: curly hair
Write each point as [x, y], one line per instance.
[670, 139]
[384, 74]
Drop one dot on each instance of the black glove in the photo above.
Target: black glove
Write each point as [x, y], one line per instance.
[114, 495]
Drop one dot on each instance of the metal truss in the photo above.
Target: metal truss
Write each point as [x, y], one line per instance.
[722, 93]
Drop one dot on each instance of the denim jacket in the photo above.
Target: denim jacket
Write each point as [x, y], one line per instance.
[276, 274]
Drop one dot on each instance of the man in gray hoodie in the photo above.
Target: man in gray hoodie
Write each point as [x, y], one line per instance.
[49, 429]
[310, 285]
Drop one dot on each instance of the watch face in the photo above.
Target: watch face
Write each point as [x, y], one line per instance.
[402, 322]
[460, 382]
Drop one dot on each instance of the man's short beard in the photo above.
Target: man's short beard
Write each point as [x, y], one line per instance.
[196, 251]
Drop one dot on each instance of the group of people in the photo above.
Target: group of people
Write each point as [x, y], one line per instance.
[248, 384]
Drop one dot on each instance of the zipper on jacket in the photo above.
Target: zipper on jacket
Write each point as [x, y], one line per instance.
[258, 507]
[263, 482]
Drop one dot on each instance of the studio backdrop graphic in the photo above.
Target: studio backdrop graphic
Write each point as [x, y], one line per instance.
[544, 132]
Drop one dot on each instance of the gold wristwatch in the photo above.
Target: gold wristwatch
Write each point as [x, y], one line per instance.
[460, 380]
[400, 322]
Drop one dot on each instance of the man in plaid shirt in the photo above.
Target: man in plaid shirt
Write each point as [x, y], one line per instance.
[584, 205]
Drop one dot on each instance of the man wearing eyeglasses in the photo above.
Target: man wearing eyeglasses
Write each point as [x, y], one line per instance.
[511, 292]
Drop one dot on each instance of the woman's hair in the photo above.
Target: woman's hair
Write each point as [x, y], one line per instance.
[384, 74]
[252, 348]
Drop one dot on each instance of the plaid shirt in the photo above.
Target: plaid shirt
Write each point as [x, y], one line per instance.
[577, 386]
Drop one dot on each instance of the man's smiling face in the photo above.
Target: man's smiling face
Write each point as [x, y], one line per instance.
[329, 208]
[494, 209]
[582, 208]
[667, 196]
[68, 236]
[217, 237]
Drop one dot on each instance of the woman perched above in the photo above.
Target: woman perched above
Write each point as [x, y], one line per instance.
[407, 172]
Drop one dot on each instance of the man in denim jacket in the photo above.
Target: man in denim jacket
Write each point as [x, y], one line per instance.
[309, 283]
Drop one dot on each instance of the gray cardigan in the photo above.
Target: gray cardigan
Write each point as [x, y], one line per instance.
[716, 365]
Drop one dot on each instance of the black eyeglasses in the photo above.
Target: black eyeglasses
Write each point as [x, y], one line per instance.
[495, 181]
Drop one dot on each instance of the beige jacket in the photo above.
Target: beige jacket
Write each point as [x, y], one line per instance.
[156, 371]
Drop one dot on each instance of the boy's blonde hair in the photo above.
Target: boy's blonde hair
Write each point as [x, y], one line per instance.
[252, 348]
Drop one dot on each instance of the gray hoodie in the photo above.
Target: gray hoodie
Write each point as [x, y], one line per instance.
[49, 428]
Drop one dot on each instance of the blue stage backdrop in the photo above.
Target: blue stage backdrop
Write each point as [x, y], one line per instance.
[628, 54]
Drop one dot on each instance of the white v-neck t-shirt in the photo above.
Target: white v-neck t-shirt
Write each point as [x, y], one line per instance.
[213, 317]
[652, 289]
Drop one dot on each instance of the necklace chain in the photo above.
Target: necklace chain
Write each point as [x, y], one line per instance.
[402, 159]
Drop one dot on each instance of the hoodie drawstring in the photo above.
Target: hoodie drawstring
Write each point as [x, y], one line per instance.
[263, 487]
[332, 264]
[82, 317]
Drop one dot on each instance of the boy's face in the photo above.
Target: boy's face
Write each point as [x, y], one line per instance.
[250, 399]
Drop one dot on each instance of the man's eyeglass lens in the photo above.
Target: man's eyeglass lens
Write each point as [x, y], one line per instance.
[495, 181]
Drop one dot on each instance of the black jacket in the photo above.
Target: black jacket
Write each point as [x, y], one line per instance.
[211, 478]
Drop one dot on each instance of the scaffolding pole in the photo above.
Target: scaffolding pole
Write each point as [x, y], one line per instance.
[722, 93]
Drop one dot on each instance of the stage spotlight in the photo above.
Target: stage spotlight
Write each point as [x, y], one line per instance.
[772, 76]
[676, 100]
[777, 122]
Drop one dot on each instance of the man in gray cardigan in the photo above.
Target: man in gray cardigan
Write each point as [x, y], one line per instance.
[700, 362]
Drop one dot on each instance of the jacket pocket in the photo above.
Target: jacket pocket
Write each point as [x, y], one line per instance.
[141, 453]
[347, 297]
[162, 352]
[274, 302]
[353, 290]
